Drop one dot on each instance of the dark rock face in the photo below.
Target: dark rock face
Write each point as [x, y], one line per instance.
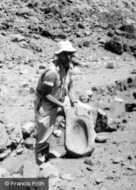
[130, 107]
[122, 40]
[115, 45]
[104, 123]
[101, 123]
[128, 31]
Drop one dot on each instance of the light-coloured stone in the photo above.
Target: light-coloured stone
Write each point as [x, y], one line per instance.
[14, 132]
[3, 172]
[118, 99]
[5, 154]
[30, 170]
[48, 170]
[17, 38]
[68, 177]
[57, 133]
[4, 138]
[131, 167]
[118, 160]
[30, 143]
[28, 128]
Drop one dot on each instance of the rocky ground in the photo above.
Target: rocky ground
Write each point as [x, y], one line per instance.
[104, 33]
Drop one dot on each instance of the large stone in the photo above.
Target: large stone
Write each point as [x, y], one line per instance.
[132, 46]
[44, 32]
[117, 108]
[28, 128]
[48, 170]
[86, 43]
[4, 138]
[19, 149]
[130, 107]
[30, 143]
[68, 177]
[3, 172]
[115, 45]
[30, 170]
[14, 132]
[35, 47]
[88, 161]
[25, 11]
[111, 125]
[86, 96]
[101, 121]
[17, 38]
[5, 154]
[104, 123]
[118, 160]
[129, 31]
[13, 164]
[131, 167]
[51, 9]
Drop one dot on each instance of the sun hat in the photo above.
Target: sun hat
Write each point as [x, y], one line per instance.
[79, 134]
[65, 46]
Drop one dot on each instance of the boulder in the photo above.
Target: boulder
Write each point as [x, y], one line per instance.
[17, 38]
[80, 25]
[86, 43]
[89, 162]
[110, 65]
[30, 143]
[129, 31]
[101, 121]
[14, 164]
[111, 125]
[4, 138]
[129, 107]
[131, 167]
[14, 132]
[86, 96]
[104, 123]
[27, 129]
[5, 154]
[44, 32]
[30, 170]
[3, 172]
[132, 46]
[68, 176]
[35, 47]
[48, 170]
[115, 45]
[19, 149]
[25, 12]
[118, 160]
[57, 133]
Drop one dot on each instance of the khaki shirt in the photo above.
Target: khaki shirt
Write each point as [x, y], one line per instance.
[55, 82]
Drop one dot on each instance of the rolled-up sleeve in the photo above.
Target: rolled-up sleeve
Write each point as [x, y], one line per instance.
[48, 82]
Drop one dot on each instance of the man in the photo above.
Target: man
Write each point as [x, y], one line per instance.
[54, 86]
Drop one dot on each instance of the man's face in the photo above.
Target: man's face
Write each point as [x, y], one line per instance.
[65, 57]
